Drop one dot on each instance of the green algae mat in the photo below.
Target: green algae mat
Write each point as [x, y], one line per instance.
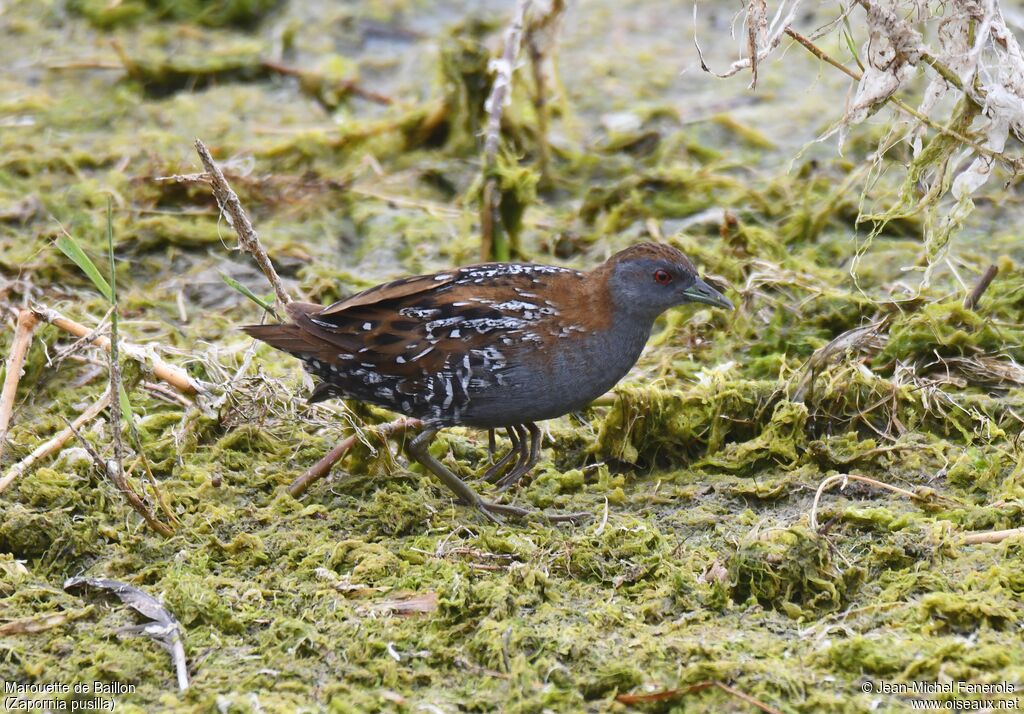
[810, 504]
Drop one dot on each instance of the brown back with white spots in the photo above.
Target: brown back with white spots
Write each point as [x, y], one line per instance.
[424, 345]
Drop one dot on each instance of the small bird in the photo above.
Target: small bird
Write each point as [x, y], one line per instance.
[492, 346]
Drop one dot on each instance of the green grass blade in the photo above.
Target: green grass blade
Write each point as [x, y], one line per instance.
[69, 247]
[110, 254]
[248, 293]
[126, 408]
[850, 44]
[122, 394]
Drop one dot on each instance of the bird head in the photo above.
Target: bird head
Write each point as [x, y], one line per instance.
[649, 278]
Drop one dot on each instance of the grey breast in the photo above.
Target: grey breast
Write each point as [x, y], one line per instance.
[578, 369]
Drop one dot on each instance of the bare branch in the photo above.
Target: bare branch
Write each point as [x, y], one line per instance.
[322, 467]
[248, 239]
[846, 478]
[971, 301]
[15, 362]
[491, 246]
[175, 376]
[56, 443]
[113, 470]
[992, 536]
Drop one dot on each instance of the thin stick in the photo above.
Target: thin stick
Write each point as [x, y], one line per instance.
[747, 698]
[175, 376]
[168, 395]
[41, 623]
[322, 467]
[248, 240]
[836, 478]
[971, 301]
[820, 54]
[56, 443]
[71, 350]
[493, 246]
[992, 536]
[185, 178]
[112, 470]
[15, 362]
[116, 466]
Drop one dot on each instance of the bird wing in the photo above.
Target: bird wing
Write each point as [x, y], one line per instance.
[425, 344]
[390, 291]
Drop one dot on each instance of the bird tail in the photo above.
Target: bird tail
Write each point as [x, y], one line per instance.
[286, 336]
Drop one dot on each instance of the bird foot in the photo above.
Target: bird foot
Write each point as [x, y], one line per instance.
[495, 512]
[526, 439]
[517, 452]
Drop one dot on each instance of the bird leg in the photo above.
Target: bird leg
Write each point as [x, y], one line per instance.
[522, 456]
[523, 466]
[418, 449]
[494, 472]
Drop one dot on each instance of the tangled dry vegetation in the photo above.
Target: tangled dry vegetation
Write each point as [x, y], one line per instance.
[832, 476]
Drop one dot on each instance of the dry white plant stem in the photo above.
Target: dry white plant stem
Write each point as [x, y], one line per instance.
[145, 356]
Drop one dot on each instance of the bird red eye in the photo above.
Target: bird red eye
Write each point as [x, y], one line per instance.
[662, 277]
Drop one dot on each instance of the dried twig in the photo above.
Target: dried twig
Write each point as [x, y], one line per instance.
[185, 178]
[15, 362]
[757, 34]
[56, 443]
[115, 467]
[168, 395]
[322, 467]
[971, 301]
[163, 627]
[992, 536]
[248, 240]
[845, 478]
[175, 376]
[114, 471]
[769, 39]
[493, 246]
[757, 703]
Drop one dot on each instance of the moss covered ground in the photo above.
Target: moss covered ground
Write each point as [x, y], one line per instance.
[373, 591]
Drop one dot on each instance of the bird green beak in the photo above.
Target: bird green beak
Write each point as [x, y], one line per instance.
[700, 291]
